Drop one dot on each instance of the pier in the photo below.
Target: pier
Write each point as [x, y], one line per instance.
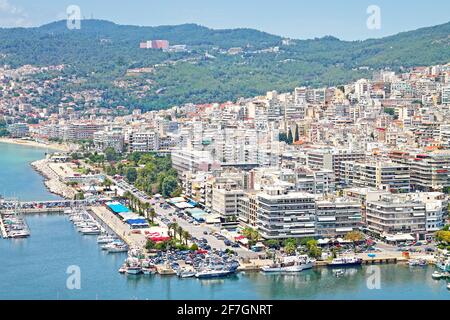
[121, 229]
[2, 228]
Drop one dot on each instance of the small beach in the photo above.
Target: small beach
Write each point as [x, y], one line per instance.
[30, 143]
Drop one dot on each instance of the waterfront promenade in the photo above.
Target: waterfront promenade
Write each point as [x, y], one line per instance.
[122, 230]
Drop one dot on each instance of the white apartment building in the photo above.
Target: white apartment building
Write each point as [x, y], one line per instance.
[383, 175]
[194, 161]
[81, 131]
[109, 139]
[413, 213]
[225, 199]
[285, 215]
[331, 158]
[337, 217]
[143, 141]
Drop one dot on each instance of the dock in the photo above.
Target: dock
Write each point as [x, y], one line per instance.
[2, 228]
[120, 228]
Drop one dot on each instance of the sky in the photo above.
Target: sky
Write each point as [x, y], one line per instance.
[297, 19]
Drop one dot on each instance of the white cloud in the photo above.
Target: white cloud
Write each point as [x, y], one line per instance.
[12, 16]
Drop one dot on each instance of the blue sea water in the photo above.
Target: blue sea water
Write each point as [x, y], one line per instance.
[36, 268]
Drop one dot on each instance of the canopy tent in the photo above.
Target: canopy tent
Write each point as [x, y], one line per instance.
[158, 238]
[137, 223]
[197, 214]
[129, 216]
[117, 207]
[399, 237]
[176, 200]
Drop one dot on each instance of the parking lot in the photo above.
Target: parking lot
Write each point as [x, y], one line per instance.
[198, 231]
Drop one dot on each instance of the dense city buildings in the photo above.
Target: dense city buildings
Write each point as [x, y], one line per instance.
[313, 162]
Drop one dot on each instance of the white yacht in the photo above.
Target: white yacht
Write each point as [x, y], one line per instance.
[345, 261]
[102, 239]
[290, 264]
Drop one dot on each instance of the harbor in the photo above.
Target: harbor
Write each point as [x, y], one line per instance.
[132, 272]
[101, 279]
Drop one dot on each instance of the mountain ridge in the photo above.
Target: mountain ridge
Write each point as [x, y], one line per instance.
[101, 52]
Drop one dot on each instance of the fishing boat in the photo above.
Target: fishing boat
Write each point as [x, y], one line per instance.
[345, 261]
[444, 266]
[290, 264]
[117, 249]
[448, 286]
[133, 266]
[217, 270]
[437, 275]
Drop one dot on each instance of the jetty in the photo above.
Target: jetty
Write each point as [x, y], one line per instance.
[2, 228]
[118, 227]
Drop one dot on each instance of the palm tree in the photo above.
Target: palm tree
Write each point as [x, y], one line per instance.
[174, 228]
[152, 214]
[180, 232]
[186, 236]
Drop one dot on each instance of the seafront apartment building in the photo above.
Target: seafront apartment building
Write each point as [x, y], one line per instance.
[337, 217]
[285, 215]
[416, 213]
[281, 215]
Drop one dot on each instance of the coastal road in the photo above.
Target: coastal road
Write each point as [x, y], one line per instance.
[198, 232]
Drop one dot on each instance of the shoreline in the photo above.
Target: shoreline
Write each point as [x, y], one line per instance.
[31, 143]
[52, 181]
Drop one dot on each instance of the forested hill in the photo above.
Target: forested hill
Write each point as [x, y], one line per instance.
[102, 52]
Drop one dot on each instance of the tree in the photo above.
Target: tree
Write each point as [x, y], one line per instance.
[290, 248]
[168, 186]
[150, 245]
[131, 175]
[354, 236]
[180, 231]
[186, 236]
[251, 234]
[290, 138]
[152, 214]
[111, 154]
[313, 249]
[272, 243]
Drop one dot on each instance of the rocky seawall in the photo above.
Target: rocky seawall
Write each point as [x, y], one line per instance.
[52, 180]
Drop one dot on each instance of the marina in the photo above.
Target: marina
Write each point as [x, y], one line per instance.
[83, 251]
[194, 275]
[13, 225]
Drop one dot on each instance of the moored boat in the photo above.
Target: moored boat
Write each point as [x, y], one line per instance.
[345, 261]
[290, 264]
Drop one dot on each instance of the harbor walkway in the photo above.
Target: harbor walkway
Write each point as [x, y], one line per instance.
[122, 229]
[3, 232]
